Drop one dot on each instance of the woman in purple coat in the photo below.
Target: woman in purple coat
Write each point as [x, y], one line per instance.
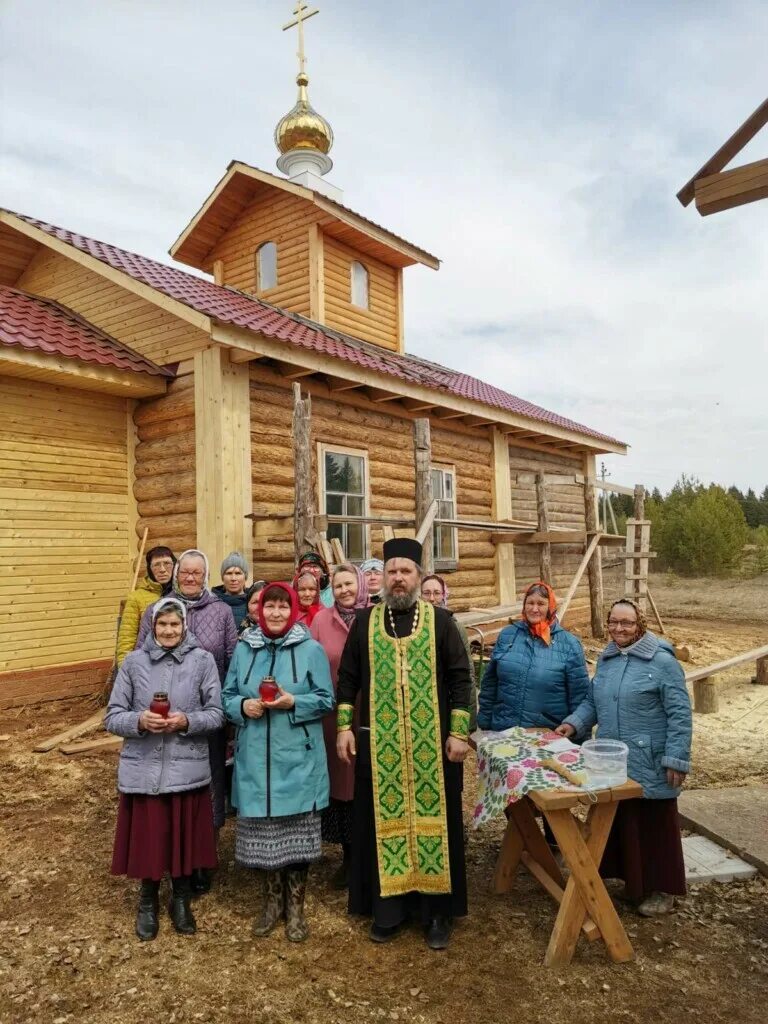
[165, 821]
[211, 623]
[330, 627]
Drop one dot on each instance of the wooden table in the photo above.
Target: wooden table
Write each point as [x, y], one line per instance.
[585, 905]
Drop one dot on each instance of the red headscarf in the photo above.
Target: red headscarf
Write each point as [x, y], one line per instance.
[287, 593]
[307, 614]
[542, 629]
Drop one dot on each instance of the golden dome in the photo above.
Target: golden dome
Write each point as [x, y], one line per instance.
[303, 127]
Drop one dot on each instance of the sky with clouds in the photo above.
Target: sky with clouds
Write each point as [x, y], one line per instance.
[535, 147]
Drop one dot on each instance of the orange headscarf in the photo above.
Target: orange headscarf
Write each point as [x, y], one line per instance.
[542, 629]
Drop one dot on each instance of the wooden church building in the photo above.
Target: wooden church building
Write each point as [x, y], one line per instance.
[135, 395]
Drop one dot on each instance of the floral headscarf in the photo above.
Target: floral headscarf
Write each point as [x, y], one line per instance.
[361, 601]
[542, 629]
[642, 622]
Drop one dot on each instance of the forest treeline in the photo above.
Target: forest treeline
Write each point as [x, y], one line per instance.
[703, 530]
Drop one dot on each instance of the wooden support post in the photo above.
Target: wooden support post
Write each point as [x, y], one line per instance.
[545, 551]
[595, 566]
[501, 495]
[761, 676]
[563, 606]
[638, 586]
[705, 700]
[422, 454]
[655, 611]
[304, 533]
[224, 494]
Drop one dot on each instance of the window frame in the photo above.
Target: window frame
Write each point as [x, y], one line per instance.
[361, 453]
[257, 268]
[366, 271]
[445, 564]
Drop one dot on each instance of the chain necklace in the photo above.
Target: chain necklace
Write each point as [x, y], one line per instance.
[414, 627]
[402, 650]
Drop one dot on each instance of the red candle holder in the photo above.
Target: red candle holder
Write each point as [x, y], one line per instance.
[160, 704]
[268, 689]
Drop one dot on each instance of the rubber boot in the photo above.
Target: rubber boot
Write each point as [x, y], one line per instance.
[296, 927]
[146, 917]
[179, 909]
[272, 910]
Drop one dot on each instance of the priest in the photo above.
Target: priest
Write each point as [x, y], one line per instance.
[406, 669]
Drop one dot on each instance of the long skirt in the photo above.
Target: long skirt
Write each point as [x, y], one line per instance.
[364, 885]
[217, 757]
[167, 834]
[645, 850]
[275, 843]
[337, 822]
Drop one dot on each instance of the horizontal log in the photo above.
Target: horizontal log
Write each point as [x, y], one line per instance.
[180, 524]
[169, 407]
[166, 428]
[165, 447]
[158, 508]
[182, 483]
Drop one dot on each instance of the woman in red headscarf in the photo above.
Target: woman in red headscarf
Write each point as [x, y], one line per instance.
[537, 674]
[307, 588]
[277, 690]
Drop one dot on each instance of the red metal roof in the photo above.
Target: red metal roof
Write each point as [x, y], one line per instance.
[32, 323]
[229, 306]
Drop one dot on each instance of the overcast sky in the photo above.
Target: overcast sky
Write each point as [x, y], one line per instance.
[535, 147]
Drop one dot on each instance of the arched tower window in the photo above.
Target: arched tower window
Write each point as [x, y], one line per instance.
[266, 266]
[359, 285]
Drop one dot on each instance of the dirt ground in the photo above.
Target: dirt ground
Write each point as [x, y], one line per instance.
[68, 953]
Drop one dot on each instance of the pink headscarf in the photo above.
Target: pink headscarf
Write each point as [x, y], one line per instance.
[361, 601]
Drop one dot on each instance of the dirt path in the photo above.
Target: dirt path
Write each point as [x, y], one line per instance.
[67, 950]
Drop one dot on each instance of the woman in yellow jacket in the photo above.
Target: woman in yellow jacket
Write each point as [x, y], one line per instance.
[160, 563]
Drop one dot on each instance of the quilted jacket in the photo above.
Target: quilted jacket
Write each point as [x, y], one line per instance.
[135, 605]
[640, 698]
[528, 683]
[211, 622]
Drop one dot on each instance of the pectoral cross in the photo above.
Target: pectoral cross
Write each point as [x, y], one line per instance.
[301, 13]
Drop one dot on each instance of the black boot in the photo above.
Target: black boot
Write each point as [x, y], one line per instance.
[340, 879]
[296, 927]
[438, 932]
[146, 917]
[200, 881]
[179, 909]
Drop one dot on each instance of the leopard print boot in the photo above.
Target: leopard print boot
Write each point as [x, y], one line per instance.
[296, 927]
[272, 910]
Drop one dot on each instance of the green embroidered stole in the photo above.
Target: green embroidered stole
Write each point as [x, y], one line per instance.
[407, 759]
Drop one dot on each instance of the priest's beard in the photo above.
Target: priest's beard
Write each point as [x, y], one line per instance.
[403, 599]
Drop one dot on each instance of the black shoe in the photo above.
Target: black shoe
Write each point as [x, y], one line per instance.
[340, 877]
[438, 932]
[378, 933]
[147, 924]
[179, 909]
[200, 881]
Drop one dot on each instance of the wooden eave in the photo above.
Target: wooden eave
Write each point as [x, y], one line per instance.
[719, 160]
[76, 373]
[729, 189]
[409, 398]
[242, 184]
[16, 252]
[118, 277]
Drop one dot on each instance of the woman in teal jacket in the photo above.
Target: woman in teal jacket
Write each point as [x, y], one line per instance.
[639, 696]
[280, 783]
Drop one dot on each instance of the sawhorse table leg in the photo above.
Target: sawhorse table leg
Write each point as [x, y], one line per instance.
[522, 833]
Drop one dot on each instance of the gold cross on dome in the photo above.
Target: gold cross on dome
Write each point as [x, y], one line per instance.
[301, 13]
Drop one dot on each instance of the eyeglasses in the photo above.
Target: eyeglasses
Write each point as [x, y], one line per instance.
[621, 624]
[161, 565]
[192, 574]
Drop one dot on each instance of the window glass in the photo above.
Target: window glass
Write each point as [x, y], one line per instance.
[266, 266]
[444, 545]
[345, 495]
[359, 285]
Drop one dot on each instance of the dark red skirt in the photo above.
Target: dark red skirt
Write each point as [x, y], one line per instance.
[167, 834]
[645, 850]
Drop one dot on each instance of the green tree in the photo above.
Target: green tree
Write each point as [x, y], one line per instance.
[751, 508]
[707, 534]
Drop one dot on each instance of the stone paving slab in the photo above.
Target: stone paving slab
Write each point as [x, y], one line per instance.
[734, 818]
[705, 861]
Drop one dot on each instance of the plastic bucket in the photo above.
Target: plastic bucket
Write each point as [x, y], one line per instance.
[605, 762]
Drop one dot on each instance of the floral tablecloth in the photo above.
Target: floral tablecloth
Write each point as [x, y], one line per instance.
[509, 767]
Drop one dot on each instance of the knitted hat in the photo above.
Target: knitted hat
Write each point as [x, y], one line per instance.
[234, 560]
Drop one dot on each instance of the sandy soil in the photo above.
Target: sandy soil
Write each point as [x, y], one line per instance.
[67, 950]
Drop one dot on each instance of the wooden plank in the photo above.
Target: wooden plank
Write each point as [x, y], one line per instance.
[510, 852]
[280, 526]
[541, 537]
[563, 606]
[594, 567]
[501, 509]
[92, 722]
[746, 131]
[93, 746]
[339, 556]
[702, 673]
[589, 928]
[560, 799]
[426, 506]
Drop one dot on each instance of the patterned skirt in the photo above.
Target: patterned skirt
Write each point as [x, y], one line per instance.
[274, 843]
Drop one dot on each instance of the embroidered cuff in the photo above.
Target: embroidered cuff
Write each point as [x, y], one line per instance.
[344, 715]
[459, 724]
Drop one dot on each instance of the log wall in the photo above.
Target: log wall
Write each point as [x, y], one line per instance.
[565, 503]
[65, 544]
[378, 323]
[280, 218]
[164, 461]
[141, 325]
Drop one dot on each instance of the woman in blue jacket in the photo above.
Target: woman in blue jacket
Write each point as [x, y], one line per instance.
[537, 673]
[280, 783]
[638, 695]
